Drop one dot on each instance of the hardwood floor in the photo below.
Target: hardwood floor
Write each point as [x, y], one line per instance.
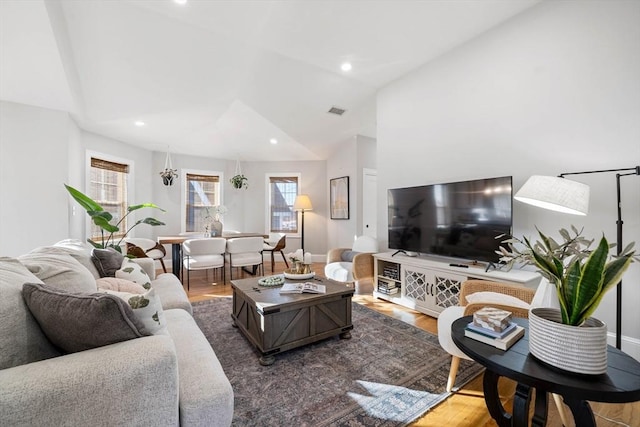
[466, 408]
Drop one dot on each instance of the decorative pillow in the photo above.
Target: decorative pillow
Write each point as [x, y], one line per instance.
[59, 270]
[21, 339]
[107, 261]
[83, 256]
[347, 256]
[134, 272]
[77, 322]
[496, 298]
[120, 285]
[147, 308]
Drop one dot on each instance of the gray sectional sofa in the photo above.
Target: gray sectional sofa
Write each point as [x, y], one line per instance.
[156, 380]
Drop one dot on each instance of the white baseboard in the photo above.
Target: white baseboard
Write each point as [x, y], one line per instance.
[631, 346]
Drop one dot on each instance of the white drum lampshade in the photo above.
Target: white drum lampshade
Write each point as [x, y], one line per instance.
[555, 193]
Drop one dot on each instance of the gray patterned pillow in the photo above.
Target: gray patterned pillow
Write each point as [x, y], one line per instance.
[77, 322]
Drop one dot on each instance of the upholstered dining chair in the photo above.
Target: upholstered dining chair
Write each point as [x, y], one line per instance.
[244, 252]
[204, 254]
[477, 294]
[139, 247]
[276, 243]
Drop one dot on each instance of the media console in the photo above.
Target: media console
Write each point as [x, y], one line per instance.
[430, 285]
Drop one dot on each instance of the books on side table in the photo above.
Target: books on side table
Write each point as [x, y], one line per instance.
[501, 334]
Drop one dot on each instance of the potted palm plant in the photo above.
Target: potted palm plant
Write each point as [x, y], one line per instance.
[569, 338]
[103, 219]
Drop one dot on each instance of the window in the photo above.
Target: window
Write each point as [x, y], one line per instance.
[108, 187]
[202, 192]
[282, 194]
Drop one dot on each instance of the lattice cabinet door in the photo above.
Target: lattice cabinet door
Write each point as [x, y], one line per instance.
[446, 290]
[416, 285]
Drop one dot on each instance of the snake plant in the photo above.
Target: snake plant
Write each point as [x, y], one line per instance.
[103, 219]
[581, 276]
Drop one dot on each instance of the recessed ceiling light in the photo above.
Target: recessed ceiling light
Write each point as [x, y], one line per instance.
[139, 123]
[273, 141]
[346, 66]
[180, 1]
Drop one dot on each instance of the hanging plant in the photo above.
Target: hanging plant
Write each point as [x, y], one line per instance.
[239, 180]
[169, 174]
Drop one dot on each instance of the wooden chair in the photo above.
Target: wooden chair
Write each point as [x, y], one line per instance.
[146, 248]
[280, 240]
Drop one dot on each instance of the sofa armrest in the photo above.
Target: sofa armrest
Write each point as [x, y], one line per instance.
[362, 266]
[335, 255]
[110, 385]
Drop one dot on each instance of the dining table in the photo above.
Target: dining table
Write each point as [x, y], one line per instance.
[176, 246]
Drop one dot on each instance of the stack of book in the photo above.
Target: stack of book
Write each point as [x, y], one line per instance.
[388, 288]
[494, 327]
[391, 272]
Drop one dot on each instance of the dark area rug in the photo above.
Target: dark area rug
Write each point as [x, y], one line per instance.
[388, 374]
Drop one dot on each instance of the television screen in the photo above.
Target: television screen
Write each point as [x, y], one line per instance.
[458, 219]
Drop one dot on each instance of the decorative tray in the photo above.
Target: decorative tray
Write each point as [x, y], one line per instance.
[296, 276]
[271, 281]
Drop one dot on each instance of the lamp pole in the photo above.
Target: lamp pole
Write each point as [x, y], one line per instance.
[619, 222]
[302, 203]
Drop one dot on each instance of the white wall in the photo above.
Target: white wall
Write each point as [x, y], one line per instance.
[554, 90]
[350, 158]
[33, 167]
[343, 162]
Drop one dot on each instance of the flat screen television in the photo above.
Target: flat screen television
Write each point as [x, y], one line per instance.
[456, 219]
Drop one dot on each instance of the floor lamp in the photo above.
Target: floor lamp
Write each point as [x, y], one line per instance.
[302, 203]
[565, 195]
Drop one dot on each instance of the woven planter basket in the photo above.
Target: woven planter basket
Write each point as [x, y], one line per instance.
[579, 349]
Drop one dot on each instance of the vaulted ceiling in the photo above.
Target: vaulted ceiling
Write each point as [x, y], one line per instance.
[221, 78]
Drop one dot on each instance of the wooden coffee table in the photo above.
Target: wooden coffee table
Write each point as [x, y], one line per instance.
[274, 323]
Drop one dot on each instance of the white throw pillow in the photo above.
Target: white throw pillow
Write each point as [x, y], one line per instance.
[147, 308]
[496, 298]
[134, 272]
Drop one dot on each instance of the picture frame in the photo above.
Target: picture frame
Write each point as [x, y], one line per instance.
[339, 197]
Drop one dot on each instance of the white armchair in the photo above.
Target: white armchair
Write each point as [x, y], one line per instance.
[352, 264]
[476, 294]
[204, 254]
[245, 252]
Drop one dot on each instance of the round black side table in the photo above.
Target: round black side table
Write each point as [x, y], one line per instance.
[620, 384]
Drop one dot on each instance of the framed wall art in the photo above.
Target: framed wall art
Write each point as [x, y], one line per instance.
[339, 197]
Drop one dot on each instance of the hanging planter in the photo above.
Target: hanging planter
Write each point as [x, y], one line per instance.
[169, 174]
[239, 180]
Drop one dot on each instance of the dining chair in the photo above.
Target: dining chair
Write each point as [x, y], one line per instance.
[139, 247]
[245, 252]
[204, 254]
[276, 243]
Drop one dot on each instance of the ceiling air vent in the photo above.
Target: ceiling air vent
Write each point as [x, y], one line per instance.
[337, 110]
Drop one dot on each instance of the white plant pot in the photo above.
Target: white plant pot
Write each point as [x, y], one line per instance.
[580, 349]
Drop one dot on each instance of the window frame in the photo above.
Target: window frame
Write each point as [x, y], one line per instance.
[129, 182]
[183, 191]
[267, 223]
